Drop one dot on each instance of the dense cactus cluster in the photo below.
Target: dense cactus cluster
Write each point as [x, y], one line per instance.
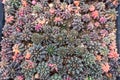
[59, 41]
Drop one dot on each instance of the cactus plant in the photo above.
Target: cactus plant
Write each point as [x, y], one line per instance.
[85, 7]
[56, 62]
[51, 49]
[86, 18]
[111, 13]
[38, 53]
[47, 39]
[89, 59]
[36, 38]
[55, 30]
[26, 35]
[14, 3]
[13, 70]
[62, 51]
[77, 24]
[104, 50]
[60, 39]
[28, 69]
[74, 66]
[56, 77]
[79, 50]
[66, 15]
[37, 8]
[43, 70]
[100, 6]
[18, 48]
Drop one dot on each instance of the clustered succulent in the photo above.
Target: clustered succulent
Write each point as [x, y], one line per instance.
[56, 77]
[74, 66]
[59, 40]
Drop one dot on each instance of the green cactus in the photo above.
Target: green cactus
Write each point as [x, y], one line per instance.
[11, 11]
[47, 39]
[85, 39]
[78, 42]
[71, 50]
[56, 77]
[106, 40]
[60, 39]
[70, 39]
[36, 38]
[74, 33]
[88, 58]
[14, 3]
[37, 8]
[38, 53]
[47, 29]
[43, 70]
[110, 25]
[62, 51]
[89, 78]
[51, 49]
[74, 66]
[103, 50]
[81, 49]
[100, 6]
[111, 13]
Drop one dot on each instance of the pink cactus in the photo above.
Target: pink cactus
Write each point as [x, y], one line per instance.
[103, 33]
[68, 78]
[18, 29]
[38, 27]
[53, 66]
[57, 19]
[34, 2]
[21, 12]
[30, 64]
[52, 11]
[92, 8]
[95, 14]
[97, 24]
[113, 54]
[90, 26]
[19, 78]
[102, 20]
